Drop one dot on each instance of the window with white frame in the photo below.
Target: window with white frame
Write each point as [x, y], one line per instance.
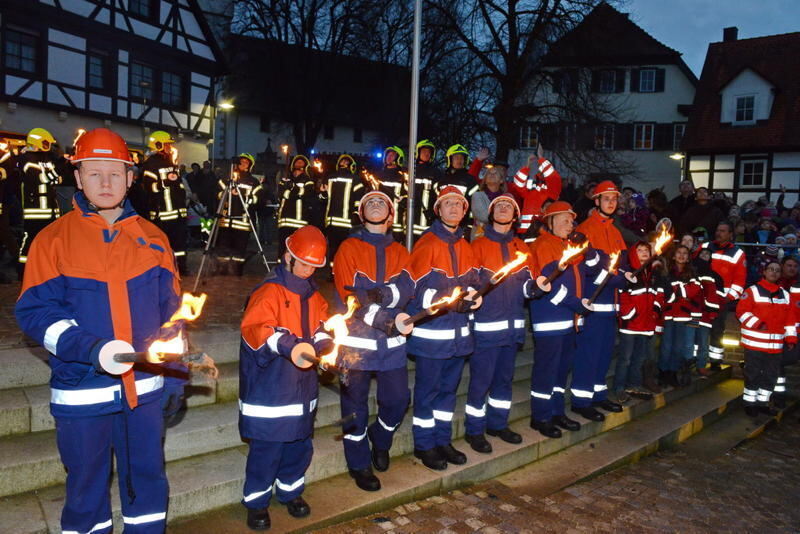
[677, 135]
[604, 137]
[753, 173]
[608, 81]
[643, 136]
[647, 80]
[745, 109]
[528, 137]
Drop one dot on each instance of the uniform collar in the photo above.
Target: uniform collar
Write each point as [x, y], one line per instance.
[438, 229]
[376, 240]
[769, 286]
[304, 287]
[601, 218]
[498, 237]
[81, 203]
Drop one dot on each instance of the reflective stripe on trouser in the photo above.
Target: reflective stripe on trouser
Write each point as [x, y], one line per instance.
[595, 344]
[393, 398]
[30, 229]
[780, 385]
[491, 372]
[435, 385]
[716, 350]
[761, 371]
[275, 466]
[552, 361]
[176, 231]
[85, 445]
[232, 243]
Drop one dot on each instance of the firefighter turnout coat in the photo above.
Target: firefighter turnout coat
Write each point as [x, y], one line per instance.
[767, 317]
[533, 186]
[728, 261]
[166, 196]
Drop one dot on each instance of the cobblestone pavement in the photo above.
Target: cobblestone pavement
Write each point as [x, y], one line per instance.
[752, 488]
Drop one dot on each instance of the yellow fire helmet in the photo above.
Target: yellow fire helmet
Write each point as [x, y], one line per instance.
[401, 155]
[426, 143]
[301, 157]
[40, 140]
[158, 140]
[457, 149]
[351, 167]
[248, 157]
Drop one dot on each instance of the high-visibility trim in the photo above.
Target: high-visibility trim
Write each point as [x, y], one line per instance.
[730, 259]
[270, 412]
[605, 307]
[547, 172]
[600, 387]
[395, 295]
[594, 261]
[549, 327]
[499, 404]
[781, 380]
[519, 323]
[358, 342]
[780, 388]
[559, 296]
[394, 342]
[475, 412]
[99, 526]
[749, 395]
[290, 487]
[272, 341]
[372, 311]
[764, 395]
[600, 277]
[582, 393]
[491, 327]
[558, 389]
[256, 494]
[637, 333]
[423, 423]
[718, 350]
[179, 253]
[628, 315]
[387, 427]
[84, 397]
[427, 297]
[428, 333]
[759, 345]
[760, 335]
[545, 396]
[356, 437]
[465, 331]
[442, 415]
[53, 333]
[143, 519]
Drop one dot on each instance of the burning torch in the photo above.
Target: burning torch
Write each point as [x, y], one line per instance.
[318, 165]
[663, 239]
[337, 324]
[501, 273]
[611, 270]
[570, 252]
[372, 180]
[435, 307]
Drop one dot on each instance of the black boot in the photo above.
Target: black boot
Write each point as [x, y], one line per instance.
[546, 428]
[608, 406]
[380, 457]
[566, 423]
[432, 459]
[365, 479]
[478, 443]
[298, 507]
[589, 413]
[452, 455]
[258, 519]
[779, 400]
[768, 410]
[751, 410]
[506, 434]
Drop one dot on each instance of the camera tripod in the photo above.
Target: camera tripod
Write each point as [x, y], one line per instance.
[227, 200]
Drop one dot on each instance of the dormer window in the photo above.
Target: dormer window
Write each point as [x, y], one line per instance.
[745, 109]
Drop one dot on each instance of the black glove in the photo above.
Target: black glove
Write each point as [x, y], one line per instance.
[375, 295]
[464, 305]
[324, 346]
[577, 238]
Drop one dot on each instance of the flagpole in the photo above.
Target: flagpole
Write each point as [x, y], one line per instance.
[412, 126]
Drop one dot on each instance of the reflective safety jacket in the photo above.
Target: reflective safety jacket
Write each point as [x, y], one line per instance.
[713, 292]
[606, 304]
[460, 178]
[500, 321]
[393, 182]
[345, 190]
[234, 214]
[161, 180]
[602, 233]
[277, 400]
[426, 176]
[768, 320]
[440, 261]
[39, 181]
[729, 262]
[372, 261]
[296, 203]
[87, 283]
[685, 300]
[533, 187]
[560, 310]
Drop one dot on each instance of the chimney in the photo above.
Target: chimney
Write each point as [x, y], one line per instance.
[730, 34]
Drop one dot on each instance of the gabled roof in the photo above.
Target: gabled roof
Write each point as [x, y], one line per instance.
[776, 58]
[288, 81]
[607, 37]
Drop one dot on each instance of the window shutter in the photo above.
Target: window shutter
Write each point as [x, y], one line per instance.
[623, 137]
[634, 80]
[660, 76]
[620, 81]
[662, 137]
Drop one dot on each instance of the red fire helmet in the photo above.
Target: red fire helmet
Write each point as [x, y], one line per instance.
[505, 197]
[557, 207]
[101, 144]
[606, 186]
[372, 194]
[449, 191]
[308, 245]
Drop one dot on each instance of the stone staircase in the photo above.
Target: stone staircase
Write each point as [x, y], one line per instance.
[206, 458]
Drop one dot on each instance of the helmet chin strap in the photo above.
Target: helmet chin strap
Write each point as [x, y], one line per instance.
[383, 221]
[452, 226]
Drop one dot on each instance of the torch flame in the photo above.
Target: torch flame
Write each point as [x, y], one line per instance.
[570, 252]
[338, 325]
[78, 135]
[405, 176]
[663, 239]
[318, 165]
[612, 261]
[173, 152]
[434, 307]
[189, 310]
[508, 267]
[374, 182]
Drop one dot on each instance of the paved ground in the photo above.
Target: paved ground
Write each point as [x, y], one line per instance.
[752, 488]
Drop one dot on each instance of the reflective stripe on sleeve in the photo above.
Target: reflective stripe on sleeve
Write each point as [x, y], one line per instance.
[53, 333]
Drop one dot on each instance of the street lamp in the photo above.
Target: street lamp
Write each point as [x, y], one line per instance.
[224, 105]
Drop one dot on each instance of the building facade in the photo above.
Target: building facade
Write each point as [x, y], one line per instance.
[134, 66]
[743, 137]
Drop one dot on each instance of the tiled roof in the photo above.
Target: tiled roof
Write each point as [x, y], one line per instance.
[776, 58]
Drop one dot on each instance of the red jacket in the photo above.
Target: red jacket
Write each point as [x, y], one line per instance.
[728, 261]
[641, 305]
[685, 301]
[533, 191]
[713, 298]
[602, 233]
[767, 318]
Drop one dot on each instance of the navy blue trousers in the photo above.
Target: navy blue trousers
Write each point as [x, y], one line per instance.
[85, 445]
[491, 372]
[552, 361]
[592, 359]
[435, 385]
[275, 466]
[393, 398]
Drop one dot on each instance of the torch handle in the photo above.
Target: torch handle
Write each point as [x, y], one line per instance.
[645, 265]
[143, 357]
[599, 289]
[318, 361]
[417, 316]
[538, 292]
[130, 357]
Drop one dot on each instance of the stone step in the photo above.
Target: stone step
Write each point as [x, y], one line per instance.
[204, 482]
[30, 461]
